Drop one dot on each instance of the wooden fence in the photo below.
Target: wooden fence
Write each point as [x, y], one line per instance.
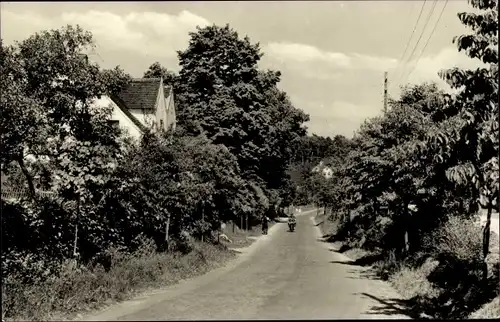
[10, 193]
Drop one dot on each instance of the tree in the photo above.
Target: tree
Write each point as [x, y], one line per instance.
[223, 95]
[474, 112]
[51, 85]
[383, 173]
[50, 69]
[156, 71]
[187, 184]
[308, 152]
[22, 118]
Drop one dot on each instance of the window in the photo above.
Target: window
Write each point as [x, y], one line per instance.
[114, 123]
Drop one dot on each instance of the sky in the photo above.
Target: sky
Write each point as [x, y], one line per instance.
[332, 54]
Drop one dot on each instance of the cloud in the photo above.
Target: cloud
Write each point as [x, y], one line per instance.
[308, 55]
[336, 117]
[427, 68]
[355, 68]
[148, 33]
[305, 53]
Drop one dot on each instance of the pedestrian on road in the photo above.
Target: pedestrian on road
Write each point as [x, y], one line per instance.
[265, 224]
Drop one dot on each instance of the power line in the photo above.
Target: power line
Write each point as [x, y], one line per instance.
[411, 36]
[423, 31]
[430, 36]
[409, 22]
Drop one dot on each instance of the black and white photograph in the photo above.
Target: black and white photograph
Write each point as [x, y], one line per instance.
[249, 160]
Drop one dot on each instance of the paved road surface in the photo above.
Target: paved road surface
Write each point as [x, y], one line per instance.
[283, 275]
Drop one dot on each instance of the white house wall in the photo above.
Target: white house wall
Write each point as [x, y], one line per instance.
[161, 108]
[118, 115]
[171, 118]
[327, 172]
[146, 117]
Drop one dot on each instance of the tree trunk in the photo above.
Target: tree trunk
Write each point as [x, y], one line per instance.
[219, 231]
[486, 240]
[27, 174]
[406, 249]
[233, 225]
[246, 222]
[203, 222]
[75, 244]
[167, 227]
[461, 201]
[76, 240]
[486, 229]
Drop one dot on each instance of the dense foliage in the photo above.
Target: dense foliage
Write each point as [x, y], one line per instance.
[311, 154]
[432, 158]
[91, 188]
[434, 150]
[222, 95]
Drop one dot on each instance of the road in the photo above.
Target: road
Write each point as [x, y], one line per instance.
[283, 275]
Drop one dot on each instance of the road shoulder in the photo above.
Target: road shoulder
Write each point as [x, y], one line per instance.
[153, 296]
[379, 298]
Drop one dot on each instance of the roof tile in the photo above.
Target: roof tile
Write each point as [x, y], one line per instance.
[141, 93]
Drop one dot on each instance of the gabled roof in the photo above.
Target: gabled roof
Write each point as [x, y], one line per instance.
[140, 93]
[123, 107]
[167, 89]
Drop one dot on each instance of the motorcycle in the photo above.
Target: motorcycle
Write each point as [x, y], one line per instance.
[291, 226]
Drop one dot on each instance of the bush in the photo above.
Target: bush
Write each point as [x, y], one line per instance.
[77, 288]
[458, 238]
[412, 281]
[449, 283]
[387, 267]
[488, 311]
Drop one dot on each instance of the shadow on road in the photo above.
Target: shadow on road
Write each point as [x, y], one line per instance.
[393, 306]
[351, 263]
[367, 260]
[364, 274]
[359, 272]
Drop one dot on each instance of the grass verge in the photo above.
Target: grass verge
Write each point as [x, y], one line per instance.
[447, 286]
[488, 311]
[241, 238]
[444, 280]
[326, 226]
[79, 290]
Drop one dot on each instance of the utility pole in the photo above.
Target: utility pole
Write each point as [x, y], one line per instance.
[385, 92]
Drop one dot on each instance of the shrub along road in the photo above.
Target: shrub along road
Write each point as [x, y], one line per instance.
[283, 275]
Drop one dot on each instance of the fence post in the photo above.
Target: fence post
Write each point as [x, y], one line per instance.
[202, 220]
[76, 228]
[166, 232]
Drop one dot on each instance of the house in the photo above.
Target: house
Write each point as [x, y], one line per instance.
[324, 169]
[145, 103]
